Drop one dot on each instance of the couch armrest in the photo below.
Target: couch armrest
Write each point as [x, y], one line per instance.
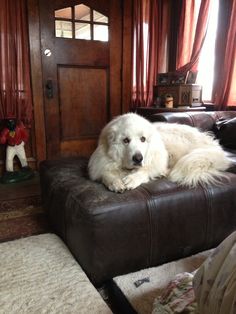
[203, 120]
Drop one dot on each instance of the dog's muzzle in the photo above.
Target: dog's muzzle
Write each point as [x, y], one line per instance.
[137, 159]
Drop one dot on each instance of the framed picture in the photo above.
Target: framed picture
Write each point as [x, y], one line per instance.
[163, 79]
[171, 78]
[177, 78]
[191, 77]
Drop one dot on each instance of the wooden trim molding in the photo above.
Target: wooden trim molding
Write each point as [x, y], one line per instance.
[127, 55]
[36, 79]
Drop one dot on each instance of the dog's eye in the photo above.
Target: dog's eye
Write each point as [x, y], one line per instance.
[126, 140]
[143, 139]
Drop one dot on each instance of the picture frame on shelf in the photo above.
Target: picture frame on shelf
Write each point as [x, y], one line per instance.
[163, 79]
[191, 77]
[171, 78]
[178, 78]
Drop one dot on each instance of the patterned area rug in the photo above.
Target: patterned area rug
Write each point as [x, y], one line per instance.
[38, 274]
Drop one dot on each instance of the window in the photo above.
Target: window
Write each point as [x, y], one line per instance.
[217, 55]
[81, 22]
[207, 57]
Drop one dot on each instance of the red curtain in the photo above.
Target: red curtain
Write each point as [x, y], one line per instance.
[15, 89]
[224, 89]
[150, 37]
[191, 35]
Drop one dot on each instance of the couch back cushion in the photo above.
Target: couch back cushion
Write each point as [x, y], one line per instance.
[203, 120]
[225, 130]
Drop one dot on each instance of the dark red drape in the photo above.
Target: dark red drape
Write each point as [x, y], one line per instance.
[15, 89]
[224, 89]
[191, 34]
[150, 37]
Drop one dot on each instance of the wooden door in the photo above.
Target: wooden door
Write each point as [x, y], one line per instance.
[81, 58]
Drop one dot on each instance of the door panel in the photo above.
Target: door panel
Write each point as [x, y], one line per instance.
[84, 77]
[82, 52]
[83, 98]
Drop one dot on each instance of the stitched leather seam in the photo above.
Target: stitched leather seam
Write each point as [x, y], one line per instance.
[150, 207]
[191, 118]
[150, 231]
[208, 198]
[213, 119]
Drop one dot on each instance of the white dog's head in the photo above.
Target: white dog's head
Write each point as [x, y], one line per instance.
[127, 139]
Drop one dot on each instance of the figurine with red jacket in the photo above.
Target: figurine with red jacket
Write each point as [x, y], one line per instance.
[15, 135]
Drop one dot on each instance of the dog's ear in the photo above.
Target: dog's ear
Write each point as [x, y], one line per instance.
[111, 135]
[107, 136]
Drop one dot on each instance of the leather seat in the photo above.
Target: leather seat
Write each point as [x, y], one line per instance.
[112, 234]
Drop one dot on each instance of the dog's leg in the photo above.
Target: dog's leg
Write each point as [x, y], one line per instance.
[113, 181]
[133, 180]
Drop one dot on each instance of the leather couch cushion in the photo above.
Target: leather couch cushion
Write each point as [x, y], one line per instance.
[112, 234]
[225, 130]
[203, 120]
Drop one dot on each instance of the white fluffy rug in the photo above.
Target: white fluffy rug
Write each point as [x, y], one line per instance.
[39, 275]
[142, 287]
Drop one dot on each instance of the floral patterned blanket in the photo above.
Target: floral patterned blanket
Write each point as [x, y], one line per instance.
[211, 289]
[178, 297]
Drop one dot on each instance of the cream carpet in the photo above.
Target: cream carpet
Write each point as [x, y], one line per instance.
[142, 287]
[39, 275]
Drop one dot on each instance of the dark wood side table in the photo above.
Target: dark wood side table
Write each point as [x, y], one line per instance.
[147, 111]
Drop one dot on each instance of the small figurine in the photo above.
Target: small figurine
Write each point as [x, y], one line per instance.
[15, 135]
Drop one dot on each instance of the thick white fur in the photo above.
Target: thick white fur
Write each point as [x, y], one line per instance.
[183, 153]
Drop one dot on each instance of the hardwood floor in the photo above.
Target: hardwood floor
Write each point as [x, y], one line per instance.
[21, 212]
[21, 193]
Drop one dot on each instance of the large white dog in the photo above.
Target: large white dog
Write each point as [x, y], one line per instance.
[131, 151]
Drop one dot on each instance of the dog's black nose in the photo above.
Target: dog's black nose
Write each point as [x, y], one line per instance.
[137, 158]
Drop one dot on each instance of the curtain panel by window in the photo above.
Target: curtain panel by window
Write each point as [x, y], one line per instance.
[15, 88]
[191, 34]
[150, 41]
[224, 88]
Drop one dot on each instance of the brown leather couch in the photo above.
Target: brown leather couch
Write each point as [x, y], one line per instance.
[112, 234]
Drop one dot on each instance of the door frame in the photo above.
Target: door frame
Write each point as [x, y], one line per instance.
[37, 77]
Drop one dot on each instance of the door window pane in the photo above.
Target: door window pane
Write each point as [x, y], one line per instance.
[63, 29]
[82, 12]
[81, 22]
[98, 17]
[64, 13]
[82, 31]
[100, 32]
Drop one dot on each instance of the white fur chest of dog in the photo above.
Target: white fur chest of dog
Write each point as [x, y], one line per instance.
[132, 151]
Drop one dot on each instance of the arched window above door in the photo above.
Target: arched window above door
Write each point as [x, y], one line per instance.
[81, 22]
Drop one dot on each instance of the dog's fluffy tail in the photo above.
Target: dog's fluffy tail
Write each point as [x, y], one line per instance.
[202, 165]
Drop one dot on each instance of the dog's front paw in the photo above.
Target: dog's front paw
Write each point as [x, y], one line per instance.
[116, 186]
[132, 181]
